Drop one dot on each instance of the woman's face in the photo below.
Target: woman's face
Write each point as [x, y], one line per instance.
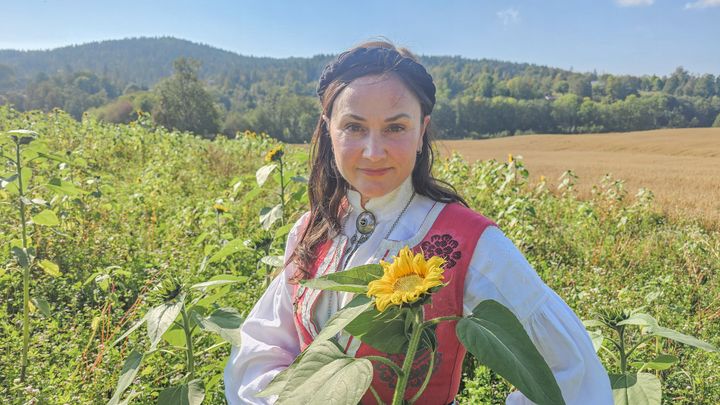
[376, 130]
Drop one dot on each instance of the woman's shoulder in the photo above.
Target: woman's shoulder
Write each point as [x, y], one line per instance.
[301, 223]
[297, 229]
[456, 211]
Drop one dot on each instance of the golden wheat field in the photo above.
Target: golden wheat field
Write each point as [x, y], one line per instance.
[680, 166]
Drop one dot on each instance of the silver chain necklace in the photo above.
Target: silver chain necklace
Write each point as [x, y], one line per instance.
[365, 225]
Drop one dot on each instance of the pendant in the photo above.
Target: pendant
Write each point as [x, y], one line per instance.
[365, 222]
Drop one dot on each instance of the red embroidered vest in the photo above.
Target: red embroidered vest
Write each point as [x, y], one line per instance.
[453, 236]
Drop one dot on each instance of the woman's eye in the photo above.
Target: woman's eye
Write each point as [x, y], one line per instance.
[353, 128]
[396, 128]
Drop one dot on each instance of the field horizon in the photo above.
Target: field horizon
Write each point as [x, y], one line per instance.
[680, 166]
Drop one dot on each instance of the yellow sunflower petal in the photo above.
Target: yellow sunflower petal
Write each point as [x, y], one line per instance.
[406, 279]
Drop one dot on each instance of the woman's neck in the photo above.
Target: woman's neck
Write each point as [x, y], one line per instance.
[384, 206]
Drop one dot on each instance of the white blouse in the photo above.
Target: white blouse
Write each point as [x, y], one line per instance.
[497, 270]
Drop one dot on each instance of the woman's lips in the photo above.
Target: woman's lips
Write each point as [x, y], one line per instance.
[375, 172]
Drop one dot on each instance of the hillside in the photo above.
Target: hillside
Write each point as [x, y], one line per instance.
[475, 98]
[142, 61]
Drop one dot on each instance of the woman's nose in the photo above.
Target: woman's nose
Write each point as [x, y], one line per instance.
[374, 147]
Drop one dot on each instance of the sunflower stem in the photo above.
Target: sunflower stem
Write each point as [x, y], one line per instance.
[427, 378]
[387, 362]
[398, 397]
[376, 395]
[437, 320]
[26, 267]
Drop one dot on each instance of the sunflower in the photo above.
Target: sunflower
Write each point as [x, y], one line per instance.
[406, 279]
[219, 208]
[275, 154]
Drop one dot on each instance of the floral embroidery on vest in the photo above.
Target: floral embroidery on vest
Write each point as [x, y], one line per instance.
[444, 246]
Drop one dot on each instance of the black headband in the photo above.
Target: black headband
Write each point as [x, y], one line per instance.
[365, 61]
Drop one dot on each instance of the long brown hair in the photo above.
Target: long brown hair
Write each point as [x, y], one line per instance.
[327, 188]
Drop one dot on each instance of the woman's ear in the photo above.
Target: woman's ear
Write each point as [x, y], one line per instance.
[327, 121]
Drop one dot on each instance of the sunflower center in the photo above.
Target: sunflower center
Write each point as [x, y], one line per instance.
[408, 283]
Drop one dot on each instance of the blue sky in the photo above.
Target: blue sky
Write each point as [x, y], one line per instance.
[613, 36]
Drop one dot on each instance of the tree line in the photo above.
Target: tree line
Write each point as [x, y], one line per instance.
[232, 93]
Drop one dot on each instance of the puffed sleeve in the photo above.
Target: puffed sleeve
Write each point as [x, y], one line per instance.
[269, 339]
[499, 271]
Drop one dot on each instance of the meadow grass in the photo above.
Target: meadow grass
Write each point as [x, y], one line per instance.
[147, 212]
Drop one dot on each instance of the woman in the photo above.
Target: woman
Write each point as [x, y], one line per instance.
[371, 193]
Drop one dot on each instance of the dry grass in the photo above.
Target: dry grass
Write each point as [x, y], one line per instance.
[680, 166]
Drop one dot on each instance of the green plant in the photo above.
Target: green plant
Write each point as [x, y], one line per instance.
[637, 387]
[325, 374]
[175, 318]
[27, 148]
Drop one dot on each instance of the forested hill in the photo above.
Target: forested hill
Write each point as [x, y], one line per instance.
[144, 61]
[476, 98]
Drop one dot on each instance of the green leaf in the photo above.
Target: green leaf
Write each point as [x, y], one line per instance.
[300, 195]
[283, 230]
[343, 317]
[46, 218]
[635, 389]
[597, 338]
[42, 305]
[354, 280]
[103, 281]
[385, 331]
[661, 362]
[175, 336]
[127, 375]
[25, 176]
[250, 196]
[21, 256]
[639, 320]
[49, 267]
[53, 156]
[225, 322]
[497, 339]
[679, 337]
[326, 375]
[129, 331]
[592, 323]
[63, 187]
[273, 261]
[130, 397]
[277, 385]
[4, 181]
[217, 294]
[39, 201]
[191, 393]
[23, 136]
[262, 174]
[269, 216]
[160, 318]
[218, 281]
[25, 132]
[228, 249]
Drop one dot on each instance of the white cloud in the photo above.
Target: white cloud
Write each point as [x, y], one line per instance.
[703, 4]
[634, 3]
[509, 16]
